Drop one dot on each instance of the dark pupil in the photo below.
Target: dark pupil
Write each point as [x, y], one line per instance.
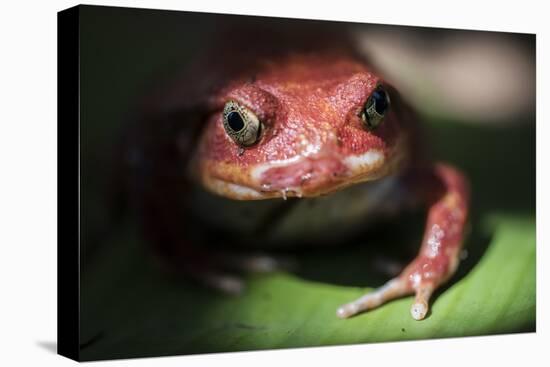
[380, 101]
[235, 121]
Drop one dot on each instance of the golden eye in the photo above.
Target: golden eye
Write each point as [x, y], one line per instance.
[241, 124]
[376, 107]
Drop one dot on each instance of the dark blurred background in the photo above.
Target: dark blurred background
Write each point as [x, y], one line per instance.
[475, 92]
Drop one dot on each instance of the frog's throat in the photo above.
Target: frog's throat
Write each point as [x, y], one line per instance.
[297, 177]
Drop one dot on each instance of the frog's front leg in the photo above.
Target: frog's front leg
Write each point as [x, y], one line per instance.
[446, 192]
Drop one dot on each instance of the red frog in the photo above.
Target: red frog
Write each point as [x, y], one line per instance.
[297, 141]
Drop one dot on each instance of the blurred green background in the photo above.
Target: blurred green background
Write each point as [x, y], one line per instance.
[475, 92]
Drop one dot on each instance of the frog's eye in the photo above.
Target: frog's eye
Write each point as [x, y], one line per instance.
[241, 124]
[376, 107]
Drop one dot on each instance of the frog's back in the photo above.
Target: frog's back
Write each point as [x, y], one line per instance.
[239, 47]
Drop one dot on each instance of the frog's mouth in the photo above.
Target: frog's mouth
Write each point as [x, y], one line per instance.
[299, 177]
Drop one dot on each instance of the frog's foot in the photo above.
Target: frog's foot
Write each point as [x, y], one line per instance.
[222, 282]
[439, 253]
[216, 272]
[255, 263]
[395, 288]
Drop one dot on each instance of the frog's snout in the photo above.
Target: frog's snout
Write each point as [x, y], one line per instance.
[307, 177]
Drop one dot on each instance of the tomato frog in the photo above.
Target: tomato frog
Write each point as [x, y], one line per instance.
[274, 144]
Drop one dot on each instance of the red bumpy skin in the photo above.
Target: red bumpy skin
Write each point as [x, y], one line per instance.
[439, 254]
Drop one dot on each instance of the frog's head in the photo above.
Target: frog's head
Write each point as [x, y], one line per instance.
[303, 126]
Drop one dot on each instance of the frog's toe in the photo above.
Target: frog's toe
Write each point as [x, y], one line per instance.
[257, 263]
[395, 288]
[223, 282]
[419, 310]
[420, 306]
